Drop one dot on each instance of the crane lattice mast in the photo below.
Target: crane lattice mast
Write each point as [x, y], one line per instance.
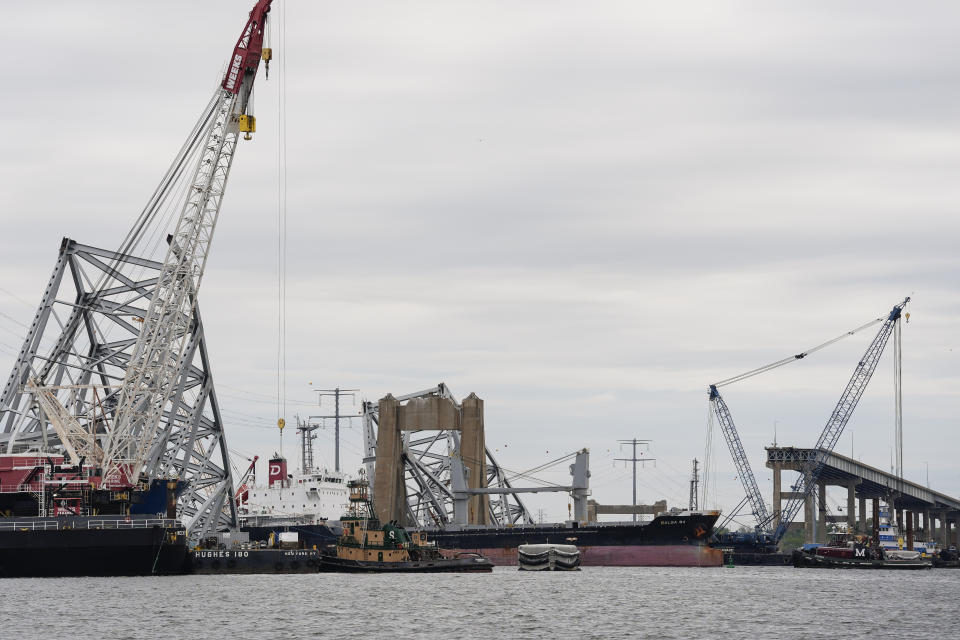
[839, 419]
[132, 447]
[744, 471]
[828, 439]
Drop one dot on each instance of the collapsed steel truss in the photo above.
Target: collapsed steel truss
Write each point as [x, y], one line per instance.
[426, 470]
[82, 337]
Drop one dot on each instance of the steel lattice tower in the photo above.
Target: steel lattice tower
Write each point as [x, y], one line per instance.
[82, 336]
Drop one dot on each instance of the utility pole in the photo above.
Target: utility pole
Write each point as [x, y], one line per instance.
[694, 485]
[335, 394]
[634, 459]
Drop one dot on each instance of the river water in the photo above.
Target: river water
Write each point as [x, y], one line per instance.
[597, 602]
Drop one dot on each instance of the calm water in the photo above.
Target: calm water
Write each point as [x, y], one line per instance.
[598, 602]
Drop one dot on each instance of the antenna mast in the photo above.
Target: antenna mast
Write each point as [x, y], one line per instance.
[694, 485]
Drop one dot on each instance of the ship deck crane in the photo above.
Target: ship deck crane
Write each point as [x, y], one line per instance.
[132, 447]
[243, 489]
[769, 529]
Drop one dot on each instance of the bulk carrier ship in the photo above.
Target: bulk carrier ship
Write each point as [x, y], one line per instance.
[677, 539]
[311, 501]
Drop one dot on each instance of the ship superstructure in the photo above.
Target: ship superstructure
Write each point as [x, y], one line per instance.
[312, 496]
[892, 538]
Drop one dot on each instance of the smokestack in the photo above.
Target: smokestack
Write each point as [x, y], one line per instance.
[278, 472]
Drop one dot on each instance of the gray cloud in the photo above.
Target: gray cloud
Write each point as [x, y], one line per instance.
[583, 213]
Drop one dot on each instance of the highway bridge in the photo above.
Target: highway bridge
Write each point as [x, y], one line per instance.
[908, 501]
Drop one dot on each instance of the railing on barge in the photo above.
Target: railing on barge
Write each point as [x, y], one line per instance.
[54, 524]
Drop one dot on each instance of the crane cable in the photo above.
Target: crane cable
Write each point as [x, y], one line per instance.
[794, 358]
[708, 449]
[281, 227]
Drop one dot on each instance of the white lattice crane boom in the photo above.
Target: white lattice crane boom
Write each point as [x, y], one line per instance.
[132, 447]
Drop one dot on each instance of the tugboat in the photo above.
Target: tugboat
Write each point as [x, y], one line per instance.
[849, 551]
[366, 546]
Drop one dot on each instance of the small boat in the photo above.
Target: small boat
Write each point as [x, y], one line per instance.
[548, 557]
[366, 546]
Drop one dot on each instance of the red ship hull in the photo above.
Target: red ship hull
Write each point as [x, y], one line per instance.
[680, 555]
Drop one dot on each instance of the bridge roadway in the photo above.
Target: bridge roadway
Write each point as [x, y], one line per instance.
[907, 500]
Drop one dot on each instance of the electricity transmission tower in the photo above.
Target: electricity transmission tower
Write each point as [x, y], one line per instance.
[634, 459]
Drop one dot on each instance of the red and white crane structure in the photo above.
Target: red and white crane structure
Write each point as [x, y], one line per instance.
[133, 446]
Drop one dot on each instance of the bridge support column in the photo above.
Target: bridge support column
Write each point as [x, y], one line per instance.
[863, 515]
[822, 511]
[777, 498]
[875, 526]
[808, 519]
[389, 491]
[909, 531]
[851, 507]
[944, 529]
[927, 526]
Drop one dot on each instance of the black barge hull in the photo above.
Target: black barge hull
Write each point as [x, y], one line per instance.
[72, 552]
[254, 561]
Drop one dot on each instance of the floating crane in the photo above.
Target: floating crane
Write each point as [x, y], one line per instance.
[133, 447]
[769, 529]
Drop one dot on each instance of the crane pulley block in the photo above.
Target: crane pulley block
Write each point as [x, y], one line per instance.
[247, 124]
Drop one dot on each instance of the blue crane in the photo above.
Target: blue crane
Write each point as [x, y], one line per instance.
[838, 420]
[769, 530]
[744, 472]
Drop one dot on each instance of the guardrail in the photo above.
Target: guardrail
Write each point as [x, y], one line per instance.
[20, 488]
[91, 523]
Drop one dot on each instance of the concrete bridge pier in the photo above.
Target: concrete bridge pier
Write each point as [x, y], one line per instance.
[851, 506]
[863, 515]
[822, 512]
[909, 531]
[808, 519]
[777, 493]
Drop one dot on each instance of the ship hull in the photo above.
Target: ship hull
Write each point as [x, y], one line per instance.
[439, 565]
[666, 541]
[681, 555]
[254, 561]
[805, 559]
[91, 552]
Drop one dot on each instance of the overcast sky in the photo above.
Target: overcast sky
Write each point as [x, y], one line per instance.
[583, 212]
